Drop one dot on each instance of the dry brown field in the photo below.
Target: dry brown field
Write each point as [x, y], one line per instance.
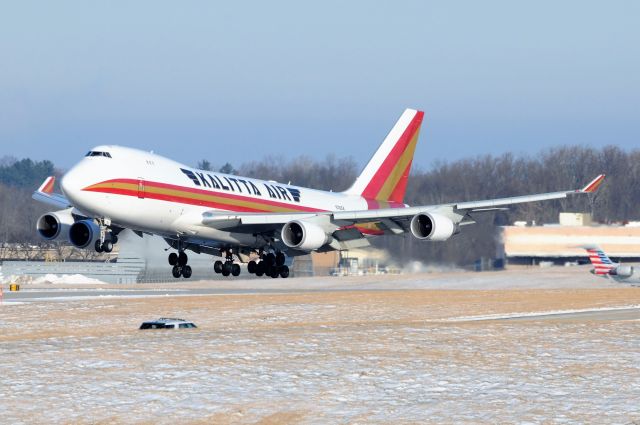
[342, 353]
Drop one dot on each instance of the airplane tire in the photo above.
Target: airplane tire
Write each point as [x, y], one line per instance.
[176, 271]
[107, 246]
[260, 269]
[182, 258]
[251, 266]
[217, 266]
[274, 272]
[280, 259]
[98, 246]
[284, 272]
[186, 272]
[225, 271]
[114, 239]
[173, 259]
[270, 259]
[235, 270]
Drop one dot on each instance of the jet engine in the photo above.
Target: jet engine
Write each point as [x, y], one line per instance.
[84, 233]
[432, 227]
[54, 225]
[623, 271]
[303, 235]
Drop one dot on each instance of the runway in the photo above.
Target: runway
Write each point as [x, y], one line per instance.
[69, 294]
[327, 350]
[613, 314]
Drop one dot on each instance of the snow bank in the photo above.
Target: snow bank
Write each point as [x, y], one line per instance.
[73, 279]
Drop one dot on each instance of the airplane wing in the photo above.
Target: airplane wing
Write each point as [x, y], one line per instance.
[45, 194]
[464, 207]
[394, 220]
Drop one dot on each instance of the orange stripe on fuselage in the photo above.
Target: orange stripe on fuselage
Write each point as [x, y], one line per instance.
[192, 196]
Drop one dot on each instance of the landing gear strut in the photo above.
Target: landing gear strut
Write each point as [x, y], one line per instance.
[103, 244]
[228, 267]
[270, 265]
[179, 262]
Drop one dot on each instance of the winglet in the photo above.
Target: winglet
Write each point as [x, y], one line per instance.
[593, 185]
[45, 194]
[47, 186]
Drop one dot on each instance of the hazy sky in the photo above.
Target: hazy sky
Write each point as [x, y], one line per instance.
[235, 81]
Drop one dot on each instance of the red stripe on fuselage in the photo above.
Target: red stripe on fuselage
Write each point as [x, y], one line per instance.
[192, 201]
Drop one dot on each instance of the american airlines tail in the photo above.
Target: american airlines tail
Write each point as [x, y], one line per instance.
[384, 180]
[602, 264]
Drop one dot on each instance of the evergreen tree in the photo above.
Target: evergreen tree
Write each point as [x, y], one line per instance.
[26, 173]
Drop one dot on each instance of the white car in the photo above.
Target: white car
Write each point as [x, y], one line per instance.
[168, 323]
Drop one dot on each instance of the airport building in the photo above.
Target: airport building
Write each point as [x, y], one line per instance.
[560, 244]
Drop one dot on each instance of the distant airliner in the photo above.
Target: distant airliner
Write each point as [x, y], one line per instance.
[604, 267]
[115, 187]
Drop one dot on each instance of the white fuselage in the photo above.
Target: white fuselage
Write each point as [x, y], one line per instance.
[634, 278]
[147, 192]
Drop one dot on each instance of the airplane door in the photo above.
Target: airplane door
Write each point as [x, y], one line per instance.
[141, 188]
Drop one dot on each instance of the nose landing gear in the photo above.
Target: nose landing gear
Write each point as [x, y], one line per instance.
[103, 244]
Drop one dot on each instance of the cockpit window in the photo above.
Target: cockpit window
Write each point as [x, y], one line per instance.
[97, 153]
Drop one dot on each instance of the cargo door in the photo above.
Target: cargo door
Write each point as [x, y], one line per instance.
[141, 188]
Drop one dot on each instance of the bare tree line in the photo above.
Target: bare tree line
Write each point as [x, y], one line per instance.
[485, 177]
[562, 168]
[18, 215]
[477, 178]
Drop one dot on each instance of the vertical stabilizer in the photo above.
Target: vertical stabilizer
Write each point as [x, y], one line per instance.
[385, 176]
[602, 264]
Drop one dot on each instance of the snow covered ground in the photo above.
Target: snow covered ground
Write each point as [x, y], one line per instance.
[408, 356]
[48, 279]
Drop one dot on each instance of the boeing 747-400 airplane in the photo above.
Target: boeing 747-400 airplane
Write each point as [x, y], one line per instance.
[114, 187]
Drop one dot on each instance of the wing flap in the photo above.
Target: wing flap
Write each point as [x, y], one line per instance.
[225, 220]
[502, 202]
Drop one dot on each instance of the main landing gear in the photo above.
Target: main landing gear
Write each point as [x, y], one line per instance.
[179, 263]
[270, 265]
[228, 267]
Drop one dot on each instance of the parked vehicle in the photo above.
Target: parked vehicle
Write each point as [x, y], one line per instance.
[168, 323]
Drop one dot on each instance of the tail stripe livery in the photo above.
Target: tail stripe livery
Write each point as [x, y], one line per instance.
[47, 186]
[601, 262]
[385, 176]
[593, 184]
